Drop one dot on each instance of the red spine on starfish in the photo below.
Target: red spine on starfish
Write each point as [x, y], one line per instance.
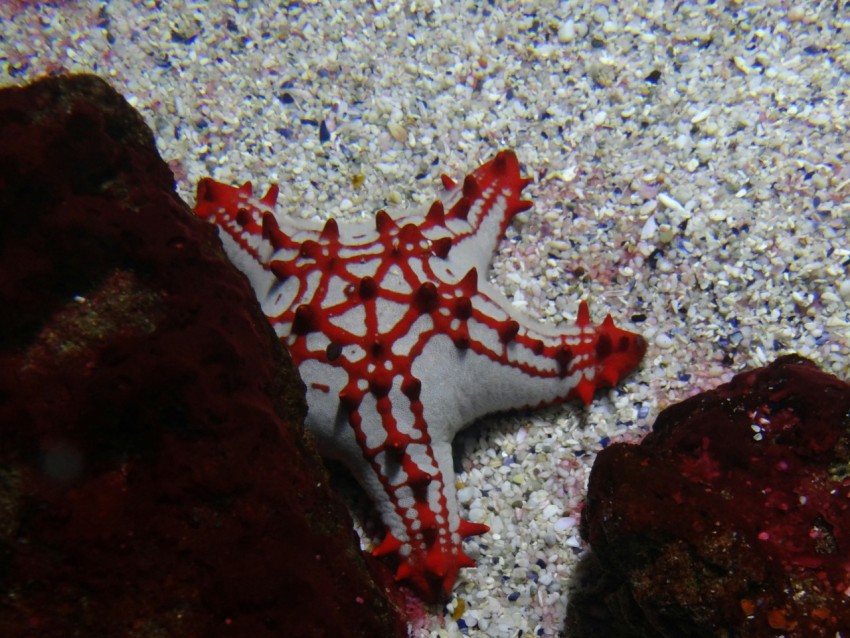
[401, 342]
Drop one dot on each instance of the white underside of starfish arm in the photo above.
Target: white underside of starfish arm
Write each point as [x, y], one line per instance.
[247, 263]
[467, 385]
[476, 250]
[329, 427]
[493, 296]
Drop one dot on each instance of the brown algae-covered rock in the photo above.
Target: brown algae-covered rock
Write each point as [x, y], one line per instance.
[155, 479]
[732, 518]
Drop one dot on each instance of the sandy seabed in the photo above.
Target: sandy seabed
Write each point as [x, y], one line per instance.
[691, 166]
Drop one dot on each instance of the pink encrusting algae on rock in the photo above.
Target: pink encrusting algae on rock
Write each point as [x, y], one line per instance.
[401, 342]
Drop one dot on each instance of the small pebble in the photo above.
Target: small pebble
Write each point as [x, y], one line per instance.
[717, 214]
[671, 203]
[796, 13]
[600, 13]
[650, 228]
[564, 523]
[465, 495]
[567, 32]
[551, 510]
[663, 340]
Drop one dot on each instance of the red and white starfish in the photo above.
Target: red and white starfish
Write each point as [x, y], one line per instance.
[401, 342]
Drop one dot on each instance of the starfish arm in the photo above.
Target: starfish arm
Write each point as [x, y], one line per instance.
[506, 361]
[404, 465]
[469, 219]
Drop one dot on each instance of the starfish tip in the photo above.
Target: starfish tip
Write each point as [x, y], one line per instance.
[389, 545]
[330, 231]
[583, 317]
[383, 221]
[437, 213]
[467, 529]
[469, 283]
[584, 391]
[270, 198]
[441, 247]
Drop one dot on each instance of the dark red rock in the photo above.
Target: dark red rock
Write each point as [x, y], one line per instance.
[732, 518]
[155, 479]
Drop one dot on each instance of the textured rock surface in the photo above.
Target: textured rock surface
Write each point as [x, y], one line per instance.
[154, 476]
[732, 518]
